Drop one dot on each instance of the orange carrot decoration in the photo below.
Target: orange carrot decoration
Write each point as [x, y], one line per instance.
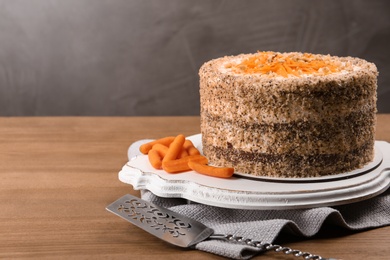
[181, 165]
[221, 172]
[176, 154]
[161, 149]
[145, 148]
[189, 146]
[183, 153]
[155, 159]
[285, 65]
[175, 148]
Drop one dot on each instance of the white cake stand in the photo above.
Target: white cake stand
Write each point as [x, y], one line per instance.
[243, 192]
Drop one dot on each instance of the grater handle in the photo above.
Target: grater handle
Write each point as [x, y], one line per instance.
[268, 246]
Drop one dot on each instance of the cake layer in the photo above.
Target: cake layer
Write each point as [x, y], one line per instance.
[336, 134]
[279, 99]
[290, 165]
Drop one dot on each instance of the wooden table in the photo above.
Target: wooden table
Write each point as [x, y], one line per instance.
[59, 173]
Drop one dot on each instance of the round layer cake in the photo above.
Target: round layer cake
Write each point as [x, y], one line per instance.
[288, 114]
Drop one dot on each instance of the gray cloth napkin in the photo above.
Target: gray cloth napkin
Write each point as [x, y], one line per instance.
[265, 225]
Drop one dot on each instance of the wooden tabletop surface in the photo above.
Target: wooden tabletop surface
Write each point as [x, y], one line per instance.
[59, 173]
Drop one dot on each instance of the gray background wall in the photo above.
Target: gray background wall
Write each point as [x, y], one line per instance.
[129, 57]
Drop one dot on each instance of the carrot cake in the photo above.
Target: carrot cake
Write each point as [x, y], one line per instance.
[288, 114]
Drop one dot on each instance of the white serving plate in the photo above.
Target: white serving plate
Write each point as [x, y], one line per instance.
[242, 192]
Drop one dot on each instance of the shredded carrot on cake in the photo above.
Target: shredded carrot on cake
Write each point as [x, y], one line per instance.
[285, 64]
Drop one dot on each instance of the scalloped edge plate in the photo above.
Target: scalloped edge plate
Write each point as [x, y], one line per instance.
[259, 193]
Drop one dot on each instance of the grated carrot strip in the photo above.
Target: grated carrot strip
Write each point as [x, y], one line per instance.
[284, 64]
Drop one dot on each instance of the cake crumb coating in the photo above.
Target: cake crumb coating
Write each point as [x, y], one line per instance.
[299, 125]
